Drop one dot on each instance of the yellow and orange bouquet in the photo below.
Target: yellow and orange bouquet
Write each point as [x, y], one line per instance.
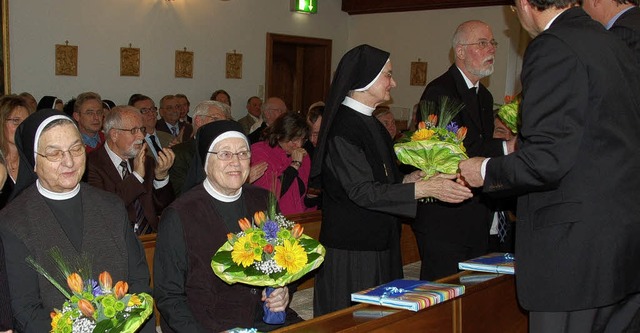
[437, 145]
[94, 306]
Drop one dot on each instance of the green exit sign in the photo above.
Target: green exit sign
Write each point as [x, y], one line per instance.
[304, 6]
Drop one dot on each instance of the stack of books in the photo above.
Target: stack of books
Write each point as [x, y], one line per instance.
[503, 263]
[411, 295]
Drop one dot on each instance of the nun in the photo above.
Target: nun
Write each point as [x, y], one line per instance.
[189, 296]
[49, 207]
[363, 190]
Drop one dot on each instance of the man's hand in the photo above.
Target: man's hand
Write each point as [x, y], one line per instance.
[138, 161]
[443, 188]
[413, 177]
[164, 163]
[470, 171]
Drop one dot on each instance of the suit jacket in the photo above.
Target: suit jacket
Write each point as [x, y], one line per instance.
[246, 122]
[473, 217]
[103, 174]
[178, 173]
[164, 138]
[576, 169]
[627, 27]
[161, 125]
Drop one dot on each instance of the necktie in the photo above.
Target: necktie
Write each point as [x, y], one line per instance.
[141, 226]
[473, 90]
[174, 130]
[502, 226]
[155, 145]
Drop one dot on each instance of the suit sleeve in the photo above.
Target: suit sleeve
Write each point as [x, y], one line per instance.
[556, 96]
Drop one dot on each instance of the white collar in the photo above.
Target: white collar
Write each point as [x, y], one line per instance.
[551, 21]
[219, 196]
[56, 195]
[115, 159]
[468, 82]
[357, 106]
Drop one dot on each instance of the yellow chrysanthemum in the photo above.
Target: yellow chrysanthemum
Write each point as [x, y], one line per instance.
[134, 301]
[422, 134]
[54, 320]
[243, 253]
[290, 256]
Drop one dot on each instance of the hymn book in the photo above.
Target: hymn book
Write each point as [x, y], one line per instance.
[497, 262]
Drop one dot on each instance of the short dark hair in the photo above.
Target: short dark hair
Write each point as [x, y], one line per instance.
[545, 4]
[315, 113]
[633, 2]
[218, 92]
[287, 127]
[135, 98]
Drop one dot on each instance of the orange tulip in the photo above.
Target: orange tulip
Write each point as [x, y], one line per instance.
[259, 218]
[120, 289]
[422, 125]
[52, 314]
[432, 119]
[244, 224]
[105, 280]
[268, 248]
[75, 282]
[462, 133]
[229, 236]
[297, 230]
[86, 308]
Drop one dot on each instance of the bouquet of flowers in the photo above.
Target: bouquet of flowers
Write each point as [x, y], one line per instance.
[436, 146]
[509, 114]
[94, 306]
[270, 251]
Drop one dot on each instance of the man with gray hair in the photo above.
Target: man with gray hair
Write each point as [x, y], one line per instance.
[121, 166]
[442, 242]
[622, 17]
[272, 108]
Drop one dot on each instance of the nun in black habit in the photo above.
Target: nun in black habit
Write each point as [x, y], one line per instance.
[48, 208]
[363, 190]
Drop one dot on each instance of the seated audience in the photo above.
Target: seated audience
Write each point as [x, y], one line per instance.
[54, 209]
[156, 140]
[184, 104]
[50, 102]
[170, 114]
[385, 116]
[288, 163]
[221, 96]
[189, 296]
[253, 116]
[314, 120]
[13, 110]
[87, 112]
[121, 166]
[272, 108]
[31, 101]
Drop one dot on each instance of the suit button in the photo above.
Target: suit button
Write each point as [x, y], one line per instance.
[254, 291]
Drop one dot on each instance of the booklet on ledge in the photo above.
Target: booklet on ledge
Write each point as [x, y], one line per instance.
[497, 262]
[411, 295]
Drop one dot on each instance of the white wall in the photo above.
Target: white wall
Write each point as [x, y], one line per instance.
[212, 28]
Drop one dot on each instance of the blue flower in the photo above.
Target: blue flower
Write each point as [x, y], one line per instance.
[270, 229]
[452, 127]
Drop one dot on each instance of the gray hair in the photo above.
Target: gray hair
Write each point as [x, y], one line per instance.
[202, 109]
[114, 118]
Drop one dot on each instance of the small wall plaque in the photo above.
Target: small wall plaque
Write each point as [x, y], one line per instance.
[67, 59]
[184, 63]
[129, 61]
[418, 73]
[234, 65]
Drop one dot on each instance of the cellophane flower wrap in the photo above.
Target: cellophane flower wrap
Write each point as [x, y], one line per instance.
[509, 113]
[94, 305]
[270, 251]
[437, 145]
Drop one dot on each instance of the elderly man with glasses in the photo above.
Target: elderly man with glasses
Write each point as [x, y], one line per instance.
[122, 167]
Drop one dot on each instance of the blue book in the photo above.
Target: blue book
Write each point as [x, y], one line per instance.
[503, 263]
[411, 295]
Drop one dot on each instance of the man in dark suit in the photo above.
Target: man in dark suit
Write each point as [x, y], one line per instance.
[170, 122]
[622, 17]
[156, 140]
[121, 166]
[254, 114]
[184, 104]
[576, 171]
[450, 233]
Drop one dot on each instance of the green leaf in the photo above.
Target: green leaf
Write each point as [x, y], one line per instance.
[234, 269]
[312, 256]
[252, 271]
[278, 275]
[223, 257]
[104, 325]
[308, 244]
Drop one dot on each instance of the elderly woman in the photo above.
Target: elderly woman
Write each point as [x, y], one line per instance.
[190, 297]
[53, 209]
[288, 164]
[13, 110]
[363, 190]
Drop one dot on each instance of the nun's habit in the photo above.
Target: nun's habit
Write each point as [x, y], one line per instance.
[83, 220]
[189, 296]
[48, 102]
[361, 186]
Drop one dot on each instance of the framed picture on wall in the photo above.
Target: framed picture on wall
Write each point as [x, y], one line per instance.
[184, 63]
[129, 61]
[234, 65]
[6, 75]
[67, 59]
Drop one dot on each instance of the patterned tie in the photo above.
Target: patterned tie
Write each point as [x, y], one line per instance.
[174, 130]
[502, 226]
[155, 145]
[141, 226]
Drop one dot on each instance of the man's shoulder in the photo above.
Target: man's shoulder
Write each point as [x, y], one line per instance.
[629, 19]
[443, 84]
[98, 156]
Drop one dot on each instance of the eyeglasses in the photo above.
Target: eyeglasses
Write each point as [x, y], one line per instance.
[147, 110]
[483, 44]
[14, 121]
[388, 74]
[513, 8]
[215, 118]
[225, 155]
[93, 113]
[134, 130]
[58, 154]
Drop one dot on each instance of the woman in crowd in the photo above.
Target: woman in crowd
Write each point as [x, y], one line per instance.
[5, 301]
[53, 209]
[288, 164]
[13, 110]
[189, 296]
[362, 188]
[221, 96]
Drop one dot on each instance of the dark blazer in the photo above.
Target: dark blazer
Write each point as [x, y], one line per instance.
[161, 125]
[103, 174]
[472, 217]
[183, 155]
[576, 169]
[627, 27]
